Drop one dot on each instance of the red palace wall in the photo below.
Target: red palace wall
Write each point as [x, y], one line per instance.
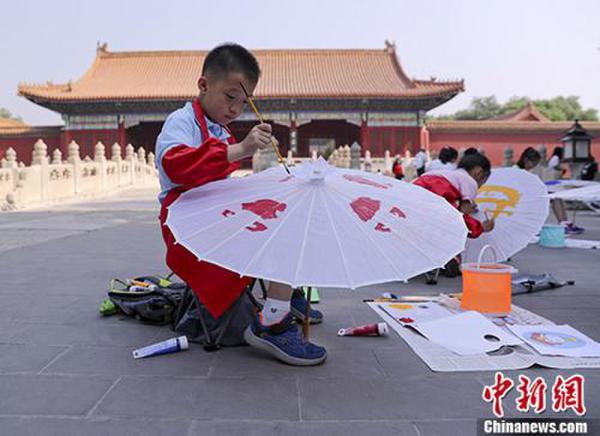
[87, 139]
[396, 139]
[23, 145]
[495, 143]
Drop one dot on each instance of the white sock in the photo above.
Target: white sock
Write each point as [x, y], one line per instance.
[274, 311]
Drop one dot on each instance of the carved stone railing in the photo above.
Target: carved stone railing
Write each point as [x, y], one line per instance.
[50, 181]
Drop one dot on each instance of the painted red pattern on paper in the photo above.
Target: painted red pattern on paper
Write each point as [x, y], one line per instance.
[227, 213]
[406, 320]
[364, 181]
[380, 227]
[257, 226]
[396, 211]
[266, 209]
[365, 207]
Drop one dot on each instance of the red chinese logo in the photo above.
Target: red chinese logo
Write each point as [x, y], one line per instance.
[531, 394]
[495, 393]
[568, 394]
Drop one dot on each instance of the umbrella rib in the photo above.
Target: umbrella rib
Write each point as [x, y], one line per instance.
[337, 240]
[357, 225]
[303, 247]
[270, 238]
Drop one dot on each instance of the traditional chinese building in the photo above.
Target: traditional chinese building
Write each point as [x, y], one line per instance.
[314, 98]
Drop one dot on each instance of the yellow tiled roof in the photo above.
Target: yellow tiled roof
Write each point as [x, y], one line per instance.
[326, 73]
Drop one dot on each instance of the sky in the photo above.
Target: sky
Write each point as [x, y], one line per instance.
[536, 48]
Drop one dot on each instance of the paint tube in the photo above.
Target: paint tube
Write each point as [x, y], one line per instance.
[169, 346]
[379, 329]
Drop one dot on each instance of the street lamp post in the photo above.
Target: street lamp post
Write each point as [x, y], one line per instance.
[576, 148]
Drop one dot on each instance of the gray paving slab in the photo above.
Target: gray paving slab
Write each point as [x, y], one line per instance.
[25, 394]
[117, 361]
[214, 398]
[353, 428]
[447, 427]
[27, 357]
[70, 426]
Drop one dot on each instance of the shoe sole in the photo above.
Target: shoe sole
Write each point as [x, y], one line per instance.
[299, 315]
[256, 342]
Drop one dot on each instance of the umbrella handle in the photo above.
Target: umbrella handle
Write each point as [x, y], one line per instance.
[306, 323]
[485, 247]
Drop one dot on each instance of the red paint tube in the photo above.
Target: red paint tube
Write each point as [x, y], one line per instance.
[379, 329]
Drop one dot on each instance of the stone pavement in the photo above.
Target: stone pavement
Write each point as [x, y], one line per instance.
[64, 370]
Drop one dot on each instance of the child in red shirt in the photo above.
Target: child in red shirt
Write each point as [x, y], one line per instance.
[459, 187]
[195, 147]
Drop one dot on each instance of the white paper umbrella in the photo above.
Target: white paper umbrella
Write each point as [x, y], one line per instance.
[320, 226]
[518, 201]
[588, 193]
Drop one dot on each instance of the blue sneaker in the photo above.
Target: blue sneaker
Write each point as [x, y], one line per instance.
[285, 342]
[298, 308]
[572, 229]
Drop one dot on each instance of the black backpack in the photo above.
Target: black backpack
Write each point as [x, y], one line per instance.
[150, 299]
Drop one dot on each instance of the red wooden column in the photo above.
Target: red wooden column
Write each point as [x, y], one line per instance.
[122, 134]
[365, 140]
[293, 137]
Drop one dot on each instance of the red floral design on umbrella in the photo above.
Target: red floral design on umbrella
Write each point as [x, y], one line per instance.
[364, 181]
[266, 209]
[380, 227]
[257, 226]
[365, 208]
[396, 211]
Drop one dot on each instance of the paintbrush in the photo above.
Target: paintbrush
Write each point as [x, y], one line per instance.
[260, 118]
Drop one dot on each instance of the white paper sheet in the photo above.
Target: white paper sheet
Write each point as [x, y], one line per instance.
[557, 340]
[467, 333]
[582, 243]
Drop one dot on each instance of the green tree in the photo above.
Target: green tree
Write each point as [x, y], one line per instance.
[481, 108]
[5, 113]
[556, 109]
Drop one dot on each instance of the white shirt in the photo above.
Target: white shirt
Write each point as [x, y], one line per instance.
[181, 128]
[420, 159]
[461, 180]
[554, 162]
[437, 164]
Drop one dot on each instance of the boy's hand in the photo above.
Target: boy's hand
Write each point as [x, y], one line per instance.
[467, 207]
[488, 225]
[258, 138]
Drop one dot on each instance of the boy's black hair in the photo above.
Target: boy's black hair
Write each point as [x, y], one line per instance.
[470, 150]
[470, 161]
[558, 151]
[530, 154]
[448, 154]
[231, 58]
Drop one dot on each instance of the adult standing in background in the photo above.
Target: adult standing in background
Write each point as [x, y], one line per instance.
[419, 162]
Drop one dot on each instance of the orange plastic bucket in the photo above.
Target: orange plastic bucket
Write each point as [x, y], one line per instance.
[487, 286]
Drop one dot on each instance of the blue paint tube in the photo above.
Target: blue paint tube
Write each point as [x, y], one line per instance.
[169, 346]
